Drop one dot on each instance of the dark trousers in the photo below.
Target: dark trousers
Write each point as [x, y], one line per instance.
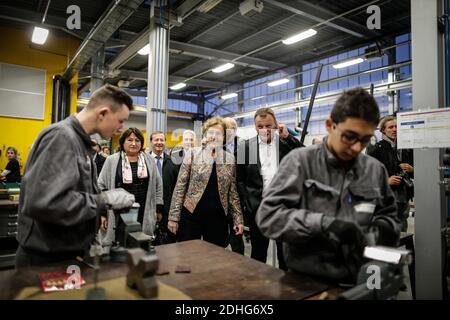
[403, 214]
[236, 242]
[260, 244]
[211, 225]
[29, 258]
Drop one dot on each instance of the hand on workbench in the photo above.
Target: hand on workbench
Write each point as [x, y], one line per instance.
[118, 198]
[172, 226]
[239, 229]
[103, 223]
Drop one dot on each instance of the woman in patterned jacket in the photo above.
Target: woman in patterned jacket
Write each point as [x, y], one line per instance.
[205, 195]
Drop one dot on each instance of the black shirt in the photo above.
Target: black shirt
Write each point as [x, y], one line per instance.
[210, 201]
[138, 188]
[14, 168]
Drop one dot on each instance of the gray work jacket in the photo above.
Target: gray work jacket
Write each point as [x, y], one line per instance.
[59, 196]
[311, 186]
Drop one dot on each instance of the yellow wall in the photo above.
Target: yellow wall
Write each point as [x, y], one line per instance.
[16, 48]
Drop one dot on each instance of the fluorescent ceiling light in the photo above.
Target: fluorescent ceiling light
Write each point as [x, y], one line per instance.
[39, 35]
[278, 82]
[178, 86]
[259, 97]
[145, 50]
[229, 96]
[348, 63]
[300, 36]
[223, 67]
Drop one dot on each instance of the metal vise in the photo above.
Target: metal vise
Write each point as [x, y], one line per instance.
[141, 273]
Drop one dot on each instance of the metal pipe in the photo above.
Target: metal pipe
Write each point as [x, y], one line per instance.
[407, 83]
[311, 103]
[302, 72]
[45, 13]
[38, 24]
[398, 65]
[278, 41]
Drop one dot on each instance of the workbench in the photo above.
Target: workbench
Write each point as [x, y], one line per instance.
[216, 273]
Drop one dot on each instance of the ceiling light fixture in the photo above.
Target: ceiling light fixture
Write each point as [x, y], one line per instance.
[300, 36]
[278, 82]
[223, 67]
[348, 63]
[39, 35]
[145, 50]
[229, 95]
[178, 86]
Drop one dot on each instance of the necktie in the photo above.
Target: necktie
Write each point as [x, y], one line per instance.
[158, 165]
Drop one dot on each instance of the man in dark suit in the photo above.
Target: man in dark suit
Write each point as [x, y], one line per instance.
[236, 242]
[257, 163]
[98, 158]
[169, 173]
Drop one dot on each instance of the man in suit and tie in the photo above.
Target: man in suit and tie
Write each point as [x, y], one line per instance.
[169, 173]
[257, 163]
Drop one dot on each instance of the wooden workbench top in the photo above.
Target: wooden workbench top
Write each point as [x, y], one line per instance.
[216, 273]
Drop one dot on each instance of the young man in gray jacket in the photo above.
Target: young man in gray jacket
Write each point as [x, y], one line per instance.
[60, 201]
[326, 198]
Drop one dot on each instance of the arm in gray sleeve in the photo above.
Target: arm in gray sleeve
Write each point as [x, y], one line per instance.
[53, 183]
[279, 216]
[388, 208]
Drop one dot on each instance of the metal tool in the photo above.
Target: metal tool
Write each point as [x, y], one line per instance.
[141, 275]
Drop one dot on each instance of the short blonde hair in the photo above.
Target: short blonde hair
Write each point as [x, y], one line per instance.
[385, 120]
[213, 122]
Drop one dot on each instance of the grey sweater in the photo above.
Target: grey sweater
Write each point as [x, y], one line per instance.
[106, 181]
[309, 191]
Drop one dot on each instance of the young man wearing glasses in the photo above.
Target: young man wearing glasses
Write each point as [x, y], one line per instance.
[328, 201]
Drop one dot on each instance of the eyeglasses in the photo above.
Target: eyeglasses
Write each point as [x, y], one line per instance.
[350, 138]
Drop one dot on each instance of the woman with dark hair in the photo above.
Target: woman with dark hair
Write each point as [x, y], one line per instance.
[135, 171]
[205, 196]
[12, 170]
